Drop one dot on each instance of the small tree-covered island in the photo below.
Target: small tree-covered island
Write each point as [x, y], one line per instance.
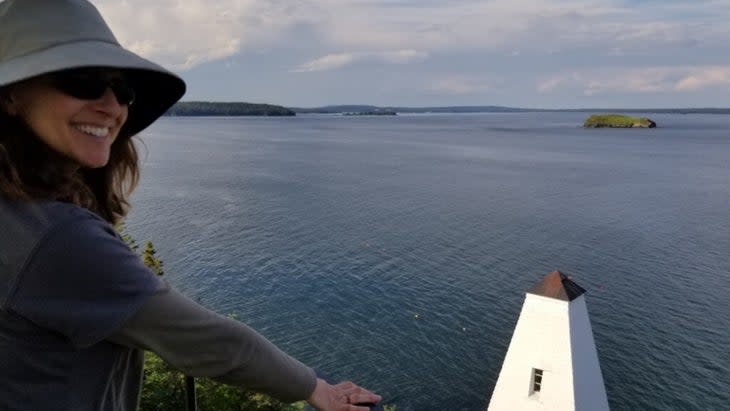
[618, 121]
[207, 108]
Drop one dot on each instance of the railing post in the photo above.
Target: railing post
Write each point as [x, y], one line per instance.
[191, 401]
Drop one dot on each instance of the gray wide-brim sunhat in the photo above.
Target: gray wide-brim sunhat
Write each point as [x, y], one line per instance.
[42, 36]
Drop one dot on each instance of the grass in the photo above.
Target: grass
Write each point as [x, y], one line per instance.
[617, 121]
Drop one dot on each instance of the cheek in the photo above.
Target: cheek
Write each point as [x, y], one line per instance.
[49, 122]
[36, 121]
[48, 111]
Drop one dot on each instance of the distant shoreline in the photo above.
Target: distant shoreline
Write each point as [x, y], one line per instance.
[198, 108]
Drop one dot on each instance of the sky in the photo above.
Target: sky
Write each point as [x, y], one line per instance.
[516, 53]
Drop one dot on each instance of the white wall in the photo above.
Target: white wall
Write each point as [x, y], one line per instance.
[541, 340]
[556, 337]
[590, 393]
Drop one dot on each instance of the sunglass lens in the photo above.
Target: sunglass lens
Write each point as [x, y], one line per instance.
[90, 86]
[79, 85]
[124, 93]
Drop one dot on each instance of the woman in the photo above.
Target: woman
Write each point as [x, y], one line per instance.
[77, 306]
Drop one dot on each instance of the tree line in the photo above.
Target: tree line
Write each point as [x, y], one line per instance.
[206, 108]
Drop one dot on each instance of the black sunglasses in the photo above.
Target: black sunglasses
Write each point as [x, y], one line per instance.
[91, 84]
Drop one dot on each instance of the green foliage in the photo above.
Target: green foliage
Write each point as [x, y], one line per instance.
[617, 121]
[164, 390]
[122, 230]
[205, 108]
[149, 257]
[220, 397]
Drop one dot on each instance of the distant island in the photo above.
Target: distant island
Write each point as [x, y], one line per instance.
[208, 108]
[371, 113]
[363, 108]
[618, 121]
[339, 109]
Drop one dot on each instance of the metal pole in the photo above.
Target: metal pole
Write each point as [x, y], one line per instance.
[191, 401]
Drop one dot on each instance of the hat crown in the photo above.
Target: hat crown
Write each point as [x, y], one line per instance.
[43, 36]
[53, 22]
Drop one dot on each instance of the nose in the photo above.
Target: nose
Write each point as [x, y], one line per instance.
[109, 104]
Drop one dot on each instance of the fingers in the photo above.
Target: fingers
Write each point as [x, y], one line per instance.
[345, 385]
[357, 398]
[364, 398]
[349, 389]
[345, 396]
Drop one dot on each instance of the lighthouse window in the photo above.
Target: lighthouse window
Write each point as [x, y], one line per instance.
[536, 380]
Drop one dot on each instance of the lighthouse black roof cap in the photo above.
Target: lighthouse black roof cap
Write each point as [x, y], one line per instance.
[557, 285]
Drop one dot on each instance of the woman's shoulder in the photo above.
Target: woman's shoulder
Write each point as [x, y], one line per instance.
[46, 213]
[31, 220]
[29, 226]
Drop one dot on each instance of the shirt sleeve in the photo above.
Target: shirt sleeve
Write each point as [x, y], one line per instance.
[82, 281]
[201, 343]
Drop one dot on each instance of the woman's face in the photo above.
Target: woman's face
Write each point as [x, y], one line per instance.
[82, 130]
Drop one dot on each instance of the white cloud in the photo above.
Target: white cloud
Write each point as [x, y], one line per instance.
[593, 82]
[461, 85]
[336, 61]
[185, 33]
[704, 77]
[328, 62]
[528, 25]
[555, 82]
[402, 56]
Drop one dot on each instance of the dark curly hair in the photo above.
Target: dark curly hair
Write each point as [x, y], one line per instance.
[31, 170]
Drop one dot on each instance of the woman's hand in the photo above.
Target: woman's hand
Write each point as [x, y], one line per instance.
[341, 397]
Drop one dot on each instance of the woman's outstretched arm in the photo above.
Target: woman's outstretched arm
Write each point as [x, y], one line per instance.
[202, 343]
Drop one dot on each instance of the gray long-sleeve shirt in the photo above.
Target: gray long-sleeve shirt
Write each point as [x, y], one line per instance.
[77, 306]
[202, 343]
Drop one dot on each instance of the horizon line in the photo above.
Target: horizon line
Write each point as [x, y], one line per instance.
[482, 106]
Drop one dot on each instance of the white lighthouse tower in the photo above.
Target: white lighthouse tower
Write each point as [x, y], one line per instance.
[551, 363]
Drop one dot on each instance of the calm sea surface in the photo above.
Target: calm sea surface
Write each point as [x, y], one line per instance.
[395, 251]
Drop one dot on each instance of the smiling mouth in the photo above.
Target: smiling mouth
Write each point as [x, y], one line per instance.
[92, 130]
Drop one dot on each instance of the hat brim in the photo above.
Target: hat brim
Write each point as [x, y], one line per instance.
[156, 88]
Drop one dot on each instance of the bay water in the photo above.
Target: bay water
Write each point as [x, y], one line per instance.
[396, 251]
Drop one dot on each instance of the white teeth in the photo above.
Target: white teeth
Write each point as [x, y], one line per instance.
[94, 131]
